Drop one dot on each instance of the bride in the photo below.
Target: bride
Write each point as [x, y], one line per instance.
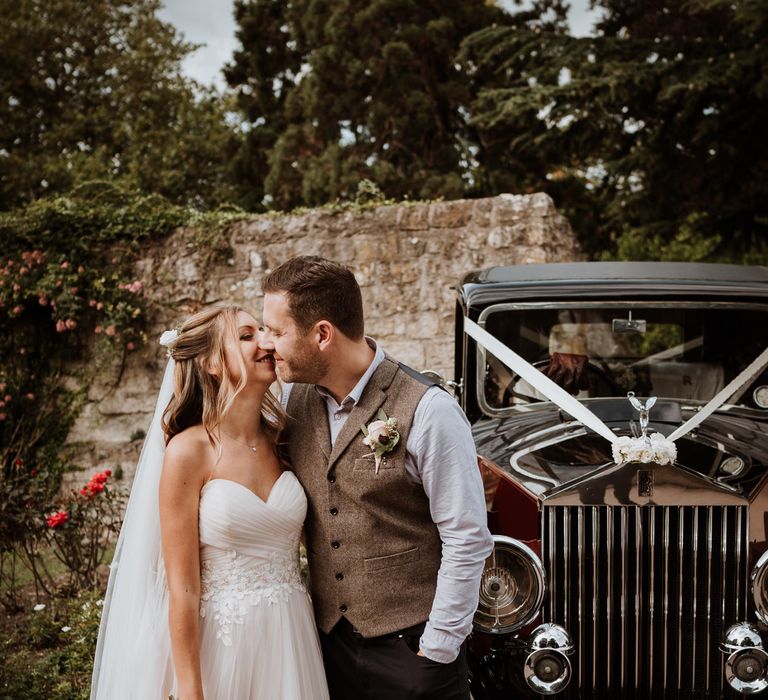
[204, 597]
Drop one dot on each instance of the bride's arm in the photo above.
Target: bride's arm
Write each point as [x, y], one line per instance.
[180, 486]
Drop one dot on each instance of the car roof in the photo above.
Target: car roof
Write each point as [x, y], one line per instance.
[624, 279]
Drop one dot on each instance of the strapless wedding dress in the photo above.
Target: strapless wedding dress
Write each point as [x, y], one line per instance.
[258, 639]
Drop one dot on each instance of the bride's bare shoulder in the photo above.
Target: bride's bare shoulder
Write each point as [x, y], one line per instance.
[189, 450]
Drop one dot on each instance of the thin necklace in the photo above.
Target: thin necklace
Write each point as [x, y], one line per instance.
[253, 448]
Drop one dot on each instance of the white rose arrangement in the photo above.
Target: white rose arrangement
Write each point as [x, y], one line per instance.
[655, 448]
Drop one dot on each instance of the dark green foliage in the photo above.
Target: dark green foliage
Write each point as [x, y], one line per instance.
[67, 293]
[658, 135]
[265, 69]
[48, 653]
[364, 90]
[94, 90]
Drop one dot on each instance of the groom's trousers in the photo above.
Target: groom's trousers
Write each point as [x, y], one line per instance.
[388, 668]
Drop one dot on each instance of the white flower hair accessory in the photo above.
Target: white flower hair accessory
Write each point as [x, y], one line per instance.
[381, 436]
[167, 339]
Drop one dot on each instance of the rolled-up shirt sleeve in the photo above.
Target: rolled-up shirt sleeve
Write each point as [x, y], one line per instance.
[442, 453]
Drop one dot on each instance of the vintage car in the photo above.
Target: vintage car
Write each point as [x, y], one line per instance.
[615, 578]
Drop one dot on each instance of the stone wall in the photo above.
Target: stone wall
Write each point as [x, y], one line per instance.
[408, 259]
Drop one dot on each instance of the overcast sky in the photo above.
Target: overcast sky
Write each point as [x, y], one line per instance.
[210, 22]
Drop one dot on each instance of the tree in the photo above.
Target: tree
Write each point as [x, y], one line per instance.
[94, 90]
[647, 134]
[264, 70]
[362, 90]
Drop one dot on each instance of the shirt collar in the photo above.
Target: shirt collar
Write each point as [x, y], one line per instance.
[353, 397]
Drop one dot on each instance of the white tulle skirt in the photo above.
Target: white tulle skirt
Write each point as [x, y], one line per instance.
[272, 653]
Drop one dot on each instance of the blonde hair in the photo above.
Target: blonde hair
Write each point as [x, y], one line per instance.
[203, 389]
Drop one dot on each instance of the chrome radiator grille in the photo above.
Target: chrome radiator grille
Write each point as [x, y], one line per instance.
[646, 593]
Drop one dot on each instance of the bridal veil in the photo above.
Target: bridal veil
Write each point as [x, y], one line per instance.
[133, 653]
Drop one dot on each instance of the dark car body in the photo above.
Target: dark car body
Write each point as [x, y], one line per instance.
[645, 567]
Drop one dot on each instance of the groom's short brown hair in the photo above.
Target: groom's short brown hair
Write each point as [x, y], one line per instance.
[319, 289]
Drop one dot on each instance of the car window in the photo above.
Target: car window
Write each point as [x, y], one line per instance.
[684, 353]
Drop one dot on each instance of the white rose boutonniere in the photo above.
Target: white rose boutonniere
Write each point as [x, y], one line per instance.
[381, 437]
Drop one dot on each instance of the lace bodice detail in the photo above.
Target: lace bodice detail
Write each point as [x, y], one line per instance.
[231, 585]
[249, 550]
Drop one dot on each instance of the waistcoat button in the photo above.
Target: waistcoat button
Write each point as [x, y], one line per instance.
[332, 478]
[343, 608]
[335, 544]
[334, 511]
[339, 576]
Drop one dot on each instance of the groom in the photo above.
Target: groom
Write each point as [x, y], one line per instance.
[396, 539]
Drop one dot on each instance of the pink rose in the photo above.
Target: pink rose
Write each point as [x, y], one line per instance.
[376, 431]
[61, 327]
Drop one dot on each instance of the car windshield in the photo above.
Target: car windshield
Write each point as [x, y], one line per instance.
[682, 352]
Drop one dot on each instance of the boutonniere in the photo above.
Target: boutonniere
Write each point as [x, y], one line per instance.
[381, 437]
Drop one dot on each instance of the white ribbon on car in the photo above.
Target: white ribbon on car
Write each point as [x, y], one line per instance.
[653, 448]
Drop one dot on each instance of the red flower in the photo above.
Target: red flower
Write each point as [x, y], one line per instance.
[33, 472]
[96, 484]
[57, 519]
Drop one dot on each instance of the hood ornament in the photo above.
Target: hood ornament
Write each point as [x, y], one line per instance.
[643, 408]
[644, 449]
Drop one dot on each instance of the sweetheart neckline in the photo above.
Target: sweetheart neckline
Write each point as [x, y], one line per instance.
[243, 486]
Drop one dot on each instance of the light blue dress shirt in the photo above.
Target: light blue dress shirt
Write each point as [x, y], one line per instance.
[441, 456]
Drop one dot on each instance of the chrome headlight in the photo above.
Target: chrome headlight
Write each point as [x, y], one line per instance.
[746, 668]
[759, 580]
[511, 588]
[547, 669]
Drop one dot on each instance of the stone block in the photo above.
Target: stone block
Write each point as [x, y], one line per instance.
[453, 214]
[413, 217]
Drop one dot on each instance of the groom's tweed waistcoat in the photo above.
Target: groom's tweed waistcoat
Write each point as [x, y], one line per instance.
[374, 551]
